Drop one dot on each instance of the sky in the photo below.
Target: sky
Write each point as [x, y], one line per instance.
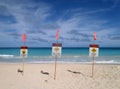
[77, 20]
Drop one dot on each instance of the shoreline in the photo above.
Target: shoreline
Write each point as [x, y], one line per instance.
[81, 63]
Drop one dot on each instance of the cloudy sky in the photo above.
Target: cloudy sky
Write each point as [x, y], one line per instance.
[76, 19]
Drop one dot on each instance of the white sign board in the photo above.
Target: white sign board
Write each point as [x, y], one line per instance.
[56, 50]
[94, 50]
[24, 51]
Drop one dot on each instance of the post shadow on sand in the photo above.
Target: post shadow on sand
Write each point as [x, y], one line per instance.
[20, 71]
[46, 73]
[77, 72]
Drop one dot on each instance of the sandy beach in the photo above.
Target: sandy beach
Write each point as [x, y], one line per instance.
[69, 76]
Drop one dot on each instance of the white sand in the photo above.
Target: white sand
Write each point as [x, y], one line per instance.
[105, 76]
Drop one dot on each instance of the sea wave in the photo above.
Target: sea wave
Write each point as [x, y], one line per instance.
[6, 56]
[96, 62]
[108, 62]
[63, 58]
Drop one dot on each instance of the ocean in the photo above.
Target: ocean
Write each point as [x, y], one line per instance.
[69, 54]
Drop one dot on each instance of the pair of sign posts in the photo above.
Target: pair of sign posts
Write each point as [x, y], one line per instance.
[57, 49]
[56, 52]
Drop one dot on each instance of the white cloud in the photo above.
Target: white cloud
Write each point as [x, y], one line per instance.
[27, 19]
[32, 18]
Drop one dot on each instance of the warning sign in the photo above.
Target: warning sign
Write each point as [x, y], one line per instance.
[94, 50]
[56, 49]
[24, 51]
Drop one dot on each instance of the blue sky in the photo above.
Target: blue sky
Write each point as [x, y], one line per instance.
[76, 19]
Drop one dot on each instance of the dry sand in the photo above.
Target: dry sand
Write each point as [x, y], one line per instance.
[105, 76]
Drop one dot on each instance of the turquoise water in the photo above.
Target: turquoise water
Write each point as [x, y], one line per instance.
[36, 55]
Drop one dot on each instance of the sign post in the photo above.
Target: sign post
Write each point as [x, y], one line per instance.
[55, 67]
[93, 52]
[56, 51]
[23, 53]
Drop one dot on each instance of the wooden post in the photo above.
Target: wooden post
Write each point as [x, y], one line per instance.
[93, 67]
[55, 67]
[22, 66]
